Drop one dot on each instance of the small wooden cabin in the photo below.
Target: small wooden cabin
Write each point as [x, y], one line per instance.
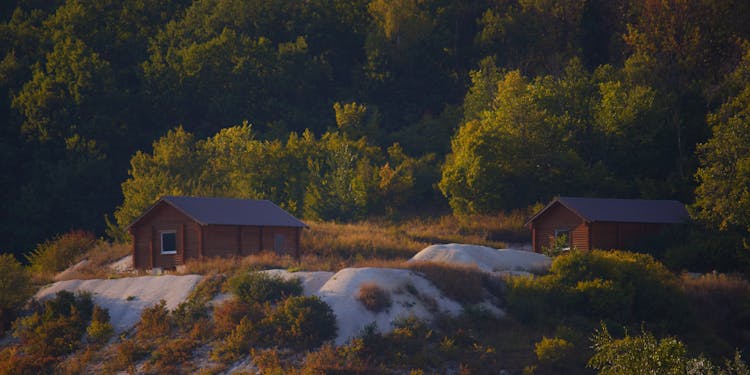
[175, 229]
[596, 223]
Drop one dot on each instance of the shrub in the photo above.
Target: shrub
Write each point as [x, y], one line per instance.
[54, 329]
[302, 323]
[127, 353]
[555, 356]
[100, 330]
[194, 308]
[15, 289]
[374, 297]
[169, 357]
[558, 246]
[60, 252]
[236, 343]
[627, 287]
[227, 315]
[645, 354]
[268, 362]
[155, 322]
[259, 287]
[13, 361]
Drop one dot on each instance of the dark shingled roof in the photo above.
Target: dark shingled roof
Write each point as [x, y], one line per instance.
[227, 211]
[623, 210]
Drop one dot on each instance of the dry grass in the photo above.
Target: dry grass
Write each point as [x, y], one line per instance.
[99, 258]
[332, 246]
[375, 298]
[462, 283]
[355, 243]
[719, 303]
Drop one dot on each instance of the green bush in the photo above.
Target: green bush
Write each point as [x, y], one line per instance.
[645, 354]
[171, 356]
[60, 252]
[260, 287]
[555, 356]
[302, 323]
[626, 287]
[155, 322]
[55, 328]
[15, 289]
[235, 344]
[100, 330]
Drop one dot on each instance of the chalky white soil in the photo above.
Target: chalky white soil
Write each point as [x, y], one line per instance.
[114, 294]
[411, 294]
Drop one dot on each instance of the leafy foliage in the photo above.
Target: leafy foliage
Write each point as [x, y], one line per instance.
[645, 354]
[302, 323]
[61, 252]
[723, 196]
[259, 287]
[620, 286]
[52, 330]
[15, 288]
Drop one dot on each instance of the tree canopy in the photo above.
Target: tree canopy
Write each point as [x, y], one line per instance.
[359, 105]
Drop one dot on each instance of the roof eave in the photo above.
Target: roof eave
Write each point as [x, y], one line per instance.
[151, 208]
[547, 207]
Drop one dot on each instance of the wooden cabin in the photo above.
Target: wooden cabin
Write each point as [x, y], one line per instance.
[596, 223]
[176, 229]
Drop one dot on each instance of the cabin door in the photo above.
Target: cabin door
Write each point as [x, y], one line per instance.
[278, 243]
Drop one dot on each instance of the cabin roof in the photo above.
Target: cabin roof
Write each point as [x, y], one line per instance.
[229, 211]
[621, 210]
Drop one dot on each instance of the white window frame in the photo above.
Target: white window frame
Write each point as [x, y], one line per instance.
[569, 233]
[161, 237]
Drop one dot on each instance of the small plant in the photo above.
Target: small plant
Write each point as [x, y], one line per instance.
[169, 357]
[100, 330]
[374, 297]
[236, 343]
[155, 322]
[127, 353]
[302, 323]
[229, 314]
[559, 245]
[555, 356]
[260, 287]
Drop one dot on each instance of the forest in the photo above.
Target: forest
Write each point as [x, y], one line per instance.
[344, 110]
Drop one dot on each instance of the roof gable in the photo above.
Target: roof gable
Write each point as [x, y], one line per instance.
[228, 211]
[622, 210]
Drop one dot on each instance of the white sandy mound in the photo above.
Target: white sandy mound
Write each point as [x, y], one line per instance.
[123, 264]
[113, 294]
[312, 281]
[340, 292]
[70, 270]
[485, 258]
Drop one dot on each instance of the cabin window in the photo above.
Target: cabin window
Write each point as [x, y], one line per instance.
[169, 242]
[562, 239]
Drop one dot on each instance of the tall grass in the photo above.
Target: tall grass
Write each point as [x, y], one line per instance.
[99, 257]
[378, 239]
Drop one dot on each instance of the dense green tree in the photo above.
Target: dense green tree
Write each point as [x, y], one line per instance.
[514, 155]
[723, 193]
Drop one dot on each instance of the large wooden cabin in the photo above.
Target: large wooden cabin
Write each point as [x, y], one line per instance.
[596, 223]
[176, 229]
